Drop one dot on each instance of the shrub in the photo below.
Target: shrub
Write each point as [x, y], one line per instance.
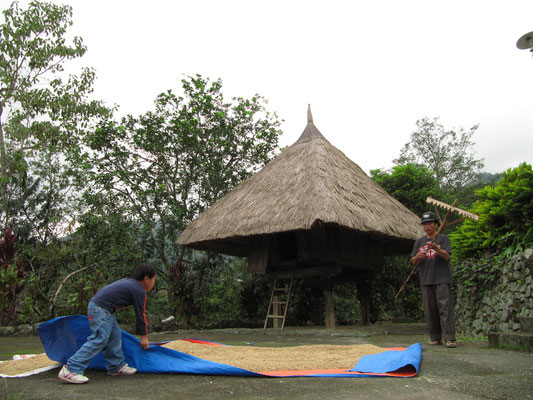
[505, 217]
[12, 278]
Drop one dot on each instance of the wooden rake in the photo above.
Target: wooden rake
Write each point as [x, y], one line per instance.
[462, 213]
[443, 224]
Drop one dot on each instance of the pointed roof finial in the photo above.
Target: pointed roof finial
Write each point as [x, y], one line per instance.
[310, 132]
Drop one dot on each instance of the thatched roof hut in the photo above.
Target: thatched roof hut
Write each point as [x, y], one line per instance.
[312, 196]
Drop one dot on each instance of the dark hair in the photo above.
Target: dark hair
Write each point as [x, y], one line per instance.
[144, 269]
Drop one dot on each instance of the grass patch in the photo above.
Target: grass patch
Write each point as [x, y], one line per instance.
[473, 339]
[12, 396]
[517, 347]
[9, 355]
[6, 394]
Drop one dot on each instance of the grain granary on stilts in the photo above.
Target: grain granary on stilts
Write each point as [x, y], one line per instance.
[310, 213]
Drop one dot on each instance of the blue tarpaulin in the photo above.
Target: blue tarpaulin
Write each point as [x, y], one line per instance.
[63, 336]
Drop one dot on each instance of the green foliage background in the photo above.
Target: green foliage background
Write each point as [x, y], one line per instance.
[506, 217]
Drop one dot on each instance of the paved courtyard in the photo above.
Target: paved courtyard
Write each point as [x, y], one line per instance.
[471, 371]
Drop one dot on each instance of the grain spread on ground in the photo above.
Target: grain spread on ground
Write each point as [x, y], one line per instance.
[263, 359]
[15, 367]
[251, 358]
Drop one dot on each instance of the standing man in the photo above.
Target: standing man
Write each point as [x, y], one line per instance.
[431, 253]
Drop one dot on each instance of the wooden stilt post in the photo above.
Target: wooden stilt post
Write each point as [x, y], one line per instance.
[364, 293]
[318, 314]
[330, 309]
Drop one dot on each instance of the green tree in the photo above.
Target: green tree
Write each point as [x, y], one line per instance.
[505, 217]
[169, 164]
[447, 153]
[410, 184]
[43, 114]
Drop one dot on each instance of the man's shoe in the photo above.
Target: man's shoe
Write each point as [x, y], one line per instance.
[125, 370]
[66, 376]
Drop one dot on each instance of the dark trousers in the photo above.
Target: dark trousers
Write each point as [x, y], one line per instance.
[438, 304]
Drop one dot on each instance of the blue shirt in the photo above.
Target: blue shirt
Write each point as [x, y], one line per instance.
[123, 293]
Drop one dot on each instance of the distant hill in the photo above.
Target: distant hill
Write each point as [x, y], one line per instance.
[487, 178]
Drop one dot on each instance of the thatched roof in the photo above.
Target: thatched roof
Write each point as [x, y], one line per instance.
[309, 182]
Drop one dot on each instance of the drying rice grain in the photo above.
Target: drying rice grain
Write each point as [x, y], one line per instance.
[263, 359]
[15, 367]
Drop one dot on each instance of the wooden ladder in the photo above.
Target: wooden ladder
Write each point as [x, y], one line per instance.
[280, 296]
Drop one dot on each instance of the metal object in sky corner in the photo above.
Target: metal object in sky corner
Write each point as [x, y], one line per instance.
[526, 42]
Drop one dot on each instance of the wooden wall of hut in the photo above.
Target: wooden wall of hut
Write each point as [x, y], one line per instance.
[323, 250]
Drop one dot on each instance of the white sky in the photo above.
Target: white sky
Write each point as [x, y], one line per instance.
[369, 69]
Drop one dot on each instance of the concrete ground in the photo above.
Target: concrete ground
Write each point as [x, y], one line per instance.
[471, 371]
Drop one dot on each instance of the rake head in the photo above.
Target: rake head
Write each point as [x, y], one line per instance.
[449, 208]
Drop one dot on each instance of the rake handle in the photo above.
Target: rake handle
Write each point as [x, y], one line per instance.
[407, 280]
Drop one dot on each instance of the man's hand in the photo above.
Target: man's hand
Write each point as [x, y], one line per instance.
[144, 342]
[433, 246]
[442, 253]
[421, 255]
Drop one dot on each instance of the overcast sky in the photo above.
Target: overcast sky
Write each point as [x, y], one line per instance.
[369, 69]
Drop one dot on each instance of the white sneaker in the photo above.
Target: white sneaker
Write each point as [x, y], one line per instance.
[66, 376]
[125, 370]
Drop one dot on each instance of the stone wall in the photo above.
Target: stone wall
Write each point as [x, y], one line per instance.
[497, 308]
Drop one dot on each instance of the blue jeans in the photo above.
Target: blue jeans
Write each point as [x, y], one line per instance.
[106, 337]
